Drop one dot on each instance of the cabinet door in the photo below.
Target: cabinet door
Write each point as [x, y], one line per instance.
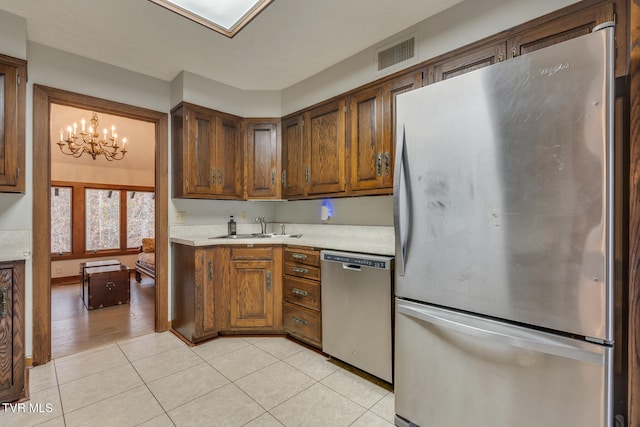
[392, 89]
[11, 331]
[560, 29]
[474, 60]
[206, 294]
[292, 157]
[325, 149]
[229, 159]
[251, 302]
[262, 160]
[200, 153]
[12, 124]
[366, 144]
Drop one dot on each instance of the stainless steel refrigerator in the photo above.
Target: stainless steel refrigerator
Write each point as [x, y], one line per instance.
[504, 243]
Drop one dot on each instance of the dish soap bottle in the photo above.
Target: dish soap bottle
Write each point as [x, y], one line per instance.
[231, 226]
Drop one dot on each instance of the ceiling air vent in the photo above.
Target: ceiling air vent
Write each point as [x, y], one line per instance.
[396, 54]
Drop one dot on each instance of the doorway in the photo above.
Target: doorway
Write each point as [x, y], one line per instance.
[43, 99]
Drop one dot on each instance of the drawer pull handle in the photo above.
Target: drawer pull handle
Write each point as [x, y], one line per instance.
[268, 281]
[299, 292]
[299, 321]
[109, 286]
[4, 301]
[300, 270]
[210, 269]
[299, 256]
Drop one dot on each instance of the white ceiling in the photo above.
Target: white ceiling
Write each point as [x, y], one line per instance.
[288, 42]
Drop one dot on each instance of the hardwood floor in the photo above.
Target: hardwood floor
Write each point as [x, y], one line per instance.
[74, 328]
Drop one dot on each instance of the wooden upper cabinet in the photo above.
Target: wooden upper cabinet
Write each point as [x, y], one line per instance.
[13, 73]
[207, 153]
[229, 160]
[567, 26]
[473, 60]
[293, 168]
[392, 89]
[366, 143]
[262, 159]
[325, 149]
[201, 153]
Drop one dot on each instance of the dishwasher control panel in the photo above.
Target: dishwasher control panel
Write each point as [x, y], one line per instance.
[372, 261]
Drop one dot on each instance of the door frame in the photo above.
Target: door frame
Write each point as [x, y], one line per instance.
[43, 97]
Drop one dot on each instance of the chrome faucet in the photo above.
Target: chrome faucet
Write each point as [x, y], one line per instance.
[263, 224]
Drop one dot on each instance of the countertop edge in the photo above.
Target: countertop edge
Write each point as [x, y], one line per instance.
[363, 245]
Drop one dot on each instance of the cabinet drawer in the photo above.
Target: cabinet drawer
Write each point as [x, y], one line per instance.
[302, 256]
[303, 324]
[302, 292]
[252, 253]
[306, 271]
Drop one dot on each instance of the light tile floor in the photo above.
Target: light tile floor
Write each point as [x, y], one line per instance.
[156, 380]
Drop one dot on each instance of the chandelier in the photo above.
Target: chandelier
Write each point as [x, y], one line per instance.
[76, 144]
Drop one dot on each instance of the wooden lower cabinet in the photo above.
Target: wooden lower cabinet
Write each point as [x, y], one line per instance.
[226, 289]
[301, 294]
[195, 276]
[303, 324]
[255, 289]
[12, 351]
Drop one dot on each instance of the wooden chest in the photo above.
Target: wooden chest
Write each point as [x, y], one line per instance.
[90, 264]
[106, 286]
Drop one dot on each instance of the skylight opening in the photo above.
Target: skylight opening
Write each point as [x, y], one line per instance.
[224, 16]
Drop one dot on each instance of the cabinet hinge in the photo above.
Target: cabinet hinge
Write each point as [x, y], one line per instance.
[284, 178]
[4, 301]
[19, 80]
[18, 173]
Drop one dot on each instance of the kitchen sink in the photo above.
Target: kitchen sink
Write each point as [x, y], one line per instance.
[290, 236]
[237, 236]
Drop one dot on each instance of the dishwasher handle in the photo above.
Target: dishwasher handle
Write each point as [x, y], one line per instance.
[352, 267]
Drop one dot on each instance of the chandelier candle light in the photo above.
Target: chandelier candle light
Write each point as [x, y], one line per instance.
[76, 144]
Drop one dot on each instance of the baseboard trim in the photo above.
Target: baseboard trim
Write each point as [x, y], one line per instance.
[70, 280]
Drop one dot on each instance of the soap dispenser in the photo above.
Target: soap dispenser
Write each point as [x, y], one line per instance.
[231, 226]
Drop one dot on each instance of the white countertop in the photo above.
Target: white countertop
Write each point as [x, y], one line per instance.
[15, 245]
[365, 239]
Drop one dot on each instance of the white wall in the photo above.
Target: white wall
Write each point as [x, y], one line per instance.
[218, 96]
[13, 35]
[217, 212]
[375, 210]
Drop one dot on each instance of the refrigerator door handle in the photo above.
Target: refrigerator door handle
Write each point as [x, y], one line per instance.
[511, 335]
[401, 205]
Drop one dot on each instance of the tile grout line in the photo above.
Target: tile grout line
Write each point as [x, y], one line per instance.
[55, 370]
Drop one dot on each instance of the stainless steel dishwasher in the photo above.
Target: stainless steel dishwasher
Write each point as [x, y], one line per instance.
[356, 310]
